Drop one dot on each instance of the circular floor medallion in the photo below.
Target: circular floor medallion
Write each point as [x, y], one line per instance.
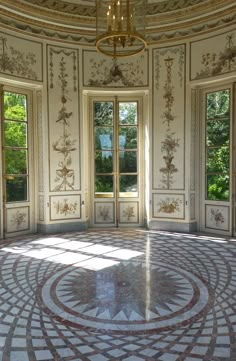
[129, 296]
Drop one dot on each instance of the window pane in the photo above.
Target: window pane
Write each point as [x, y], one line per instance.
[103, 113]
[217, 132]
[15, 134]
[128, 161]
[218, 187]
[128, 137]
[218, 104]
[103, 138]
[104, 162]
[104, 184]
[128, 183]
[128, 113]
[218, 159]
[16, 161]
[16, 188]
[15, 106]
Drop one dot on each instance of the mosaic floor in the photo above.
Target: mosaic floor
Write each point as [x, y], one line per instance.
[118, 295]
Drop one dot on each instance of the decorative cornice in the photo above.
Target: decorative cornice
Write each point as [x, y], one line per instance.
[209, 15]
[90, 10]
[199, 12]
[80, 16]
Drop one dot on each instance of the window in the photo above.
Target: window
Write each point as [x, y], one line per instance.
[15, 146]
[116, 148]
[217, 145]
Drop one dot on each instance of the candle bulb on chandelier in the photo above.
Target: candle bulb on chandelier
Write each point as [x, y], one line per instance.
[109, 18]
[108, 21]
[131, 22]
[118, 10]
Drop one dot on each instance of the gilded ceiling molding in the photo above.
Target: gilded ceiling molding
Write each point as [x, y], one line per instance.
[81, 16]
[194, 28]
[190, 5]
[52, 5]
[166, 6]
[35, 14]
[26, 23]
[86, 36]
[79, 9]
[197, 14]
[44, 33]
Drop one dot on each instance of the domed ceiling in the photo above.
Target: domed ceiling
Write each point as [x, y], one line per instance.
[74, 20]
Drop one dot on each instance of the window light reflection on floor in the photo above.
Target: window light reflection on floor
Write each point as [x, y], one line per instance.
[99, 249]
[190, 236]
[85, 254]
[96, 263]
[68, 258]
[73, 245]
[42, 253]
[49, 241]
[124, 254]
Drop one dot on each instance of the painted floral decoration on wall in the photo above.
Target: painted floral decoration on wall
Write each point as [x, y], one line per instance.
[104, 213]
[223, 62]
[65, 145]
[169, 205]
[217, 217]
[170, 144]
[65, 207]
[128, 213]
[123, 74]
[16, 62]
[18, 219]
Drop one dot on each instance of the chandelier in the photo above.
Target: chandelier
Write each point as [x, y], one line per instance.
[120, 27]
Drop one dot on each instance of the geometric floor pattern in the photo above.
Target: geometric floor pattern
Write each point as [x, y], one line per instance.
[130, 295]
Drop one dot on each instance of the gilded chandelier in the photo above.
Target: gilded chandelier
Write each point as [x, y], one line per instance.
[120, 27]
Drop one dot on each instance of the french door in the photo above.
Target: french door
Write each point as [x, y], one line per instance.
[218, 158]
[116, 161]
[17, 165]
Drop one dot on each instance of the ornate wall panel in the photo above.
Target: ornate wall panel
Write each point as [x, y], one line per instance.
[100, 71]
[17, 219]
[129, 212]
[63, 115]
[193, 139]
[21, 58]
[41, 152]
[168, 206]
[168, 118]
[192, 206]
[217, 217]
[104, 212]
[41, 208]
[65, 207]
[213, 56]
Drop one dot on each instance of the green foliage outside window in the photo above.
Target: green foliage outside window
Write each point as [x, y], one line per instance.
[15, 146]
[217, 145]
[127, 139]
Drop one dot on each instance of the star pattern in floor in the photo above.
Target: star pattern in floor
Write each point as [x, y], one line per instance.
[132, 295]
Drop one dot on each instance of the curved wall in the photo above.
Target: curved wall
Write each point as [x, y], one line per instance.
[60, 75]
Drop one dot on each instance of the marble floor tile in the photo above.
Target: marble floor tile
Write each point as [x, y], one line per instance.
[129, 295]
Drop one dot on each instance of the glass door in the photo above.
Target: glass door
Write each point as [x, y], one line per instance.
[116, 162]
[17, 165]
[217, 164]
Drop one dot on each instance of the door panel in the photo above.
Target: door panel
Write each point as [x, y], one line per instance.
[116, 161]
